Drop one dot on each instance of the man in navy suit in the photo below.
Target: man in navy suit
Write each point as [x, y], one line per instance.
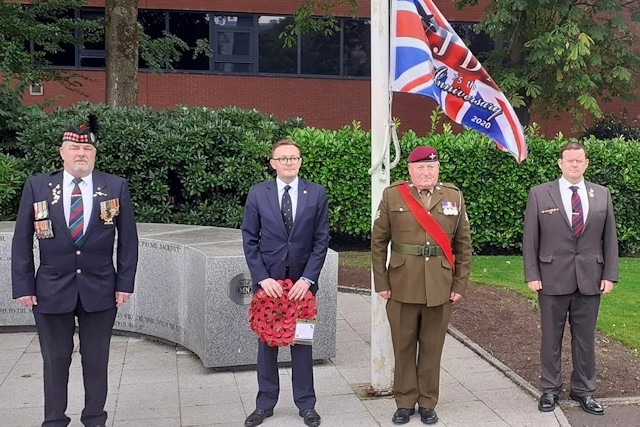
[285, 233]
[74, 214]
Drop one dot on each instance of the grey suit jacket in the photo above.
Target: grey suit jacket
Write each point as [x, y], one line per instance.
[552, 254]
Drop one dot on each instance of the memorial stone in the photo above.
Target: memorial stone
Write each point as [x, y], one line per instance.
[192, 288]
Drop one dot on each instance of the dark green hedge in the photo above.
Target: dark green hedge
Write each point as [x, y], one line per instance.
[12, 179]
[194, 165]
[184, 165]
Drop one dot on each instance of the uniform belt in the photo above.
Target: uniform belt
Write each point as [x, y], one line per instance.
[426, 250]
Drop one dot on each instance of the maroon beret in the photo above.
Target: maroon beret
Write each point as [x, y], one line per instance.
[423, 154]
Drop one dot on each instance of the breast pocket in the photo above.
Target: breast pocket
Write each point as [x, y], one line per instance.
[401, 219]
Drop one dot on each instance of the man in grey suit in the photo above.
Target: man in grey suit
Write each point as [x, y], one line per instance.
[570, 251]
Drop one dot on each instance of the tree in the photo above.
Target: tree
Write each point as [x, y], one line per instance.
[304, 18]
[49, 27]
[31, 34]
[125, 41]
[121, 51]
[562, 55]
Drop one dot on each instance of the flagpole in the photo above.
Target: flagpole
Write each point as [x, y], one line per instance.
[382, 360]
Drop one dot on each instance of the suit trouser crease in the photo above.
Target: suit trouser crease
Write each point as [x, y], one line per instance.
[55, 332]
[301, 376]
[417, 330]
[582, 311]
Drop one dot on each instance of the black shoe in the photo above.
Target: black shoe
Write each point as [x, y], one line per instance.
[547, 402]
[257, 417]
[311, 417]
[589, 404]
[403, 415]
[428, 416]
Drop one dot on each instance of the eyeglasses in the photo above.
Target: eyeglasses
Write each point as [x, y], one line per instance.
[285, 160]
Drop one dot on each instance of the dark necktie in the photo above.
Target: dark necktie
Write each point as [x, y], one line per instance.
[577, 219]
[287, 209]
[425, 198]
[76, 214]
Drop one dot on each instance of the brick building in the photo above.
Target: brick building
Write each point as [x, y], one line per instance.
[323, 79]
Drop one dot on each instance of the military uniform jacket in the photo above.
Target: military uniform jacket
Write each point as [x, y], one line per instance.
[67, 272]
[414, 278]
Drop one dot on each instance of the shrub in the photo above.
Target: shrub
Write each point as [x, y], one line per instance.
[11, 180]
[187, 164]
[194, 165]
[610, 126]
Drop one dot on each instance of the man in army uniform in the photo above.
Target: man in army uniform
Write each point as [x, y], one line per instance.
[426, 223]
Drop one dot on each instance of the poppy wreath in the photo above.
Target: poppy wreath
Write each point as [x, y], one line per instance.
[274, 319]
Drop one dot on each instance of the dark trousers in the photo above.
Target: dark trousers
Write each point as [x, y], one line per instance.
[55, 332]
[583, 313]
[304, 394]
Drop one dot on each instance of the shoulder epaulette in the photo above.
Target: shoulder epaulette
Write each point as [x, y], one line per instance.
[397, 183]
[448, 185]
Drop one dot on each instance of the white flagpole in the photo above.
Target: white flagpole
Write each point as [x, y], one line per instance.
[382, 360]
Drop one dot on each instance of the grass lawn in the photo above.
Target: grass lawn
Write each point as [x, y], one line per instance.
[619, 315]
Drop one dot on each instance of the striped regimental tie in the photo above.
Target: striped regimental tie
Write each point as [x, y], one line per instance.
[76, 215]
[577, 218]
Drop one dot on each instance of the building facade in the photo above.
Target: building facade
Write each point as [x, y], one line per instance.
[322, 78]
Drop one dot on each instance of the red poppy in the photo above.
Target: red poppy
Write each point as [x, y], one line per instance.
[274, 319]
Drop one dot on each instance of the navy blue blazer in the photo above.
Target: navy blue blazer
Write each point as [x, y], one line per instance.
[266, 245]
[66, 272]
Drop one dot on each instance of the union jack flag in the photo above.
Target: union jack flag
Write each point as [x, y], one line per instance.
[429, 58]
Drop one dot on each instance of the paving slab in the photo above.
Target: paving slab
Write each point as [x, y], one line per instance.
[154, 384]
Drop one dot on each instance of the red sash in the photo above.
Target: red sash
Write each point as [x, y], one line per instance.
[427, 222]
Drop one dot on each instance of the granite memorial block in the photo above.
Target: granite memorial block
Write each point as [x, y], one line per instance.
[192, 288]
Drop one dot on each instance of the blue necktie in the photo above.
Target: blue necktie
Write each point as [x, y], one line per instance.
[287, 209]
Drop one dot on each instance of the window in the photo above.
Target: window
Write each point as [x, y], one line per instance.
[273, 56]
[320, 53]
[190, 26]
[357, 48]
[244, 44]
[66, 57]
[154, 24]
[92, 53]
[233, 44]
[478, 43]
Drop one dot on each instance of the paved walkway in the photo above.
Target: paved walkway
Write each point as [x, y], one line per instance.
[153, 384]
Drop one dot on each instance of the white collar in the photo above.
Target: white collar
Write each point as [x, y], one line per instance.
[567, 185]
[67, 179]
[281, 184]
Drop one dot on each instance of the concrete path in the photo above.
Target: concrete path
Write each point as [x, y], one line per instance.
[157, 385]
